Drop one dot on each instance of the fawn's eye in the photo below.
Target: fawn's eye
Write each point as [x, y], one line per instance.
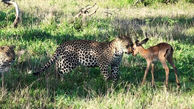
[127, 45]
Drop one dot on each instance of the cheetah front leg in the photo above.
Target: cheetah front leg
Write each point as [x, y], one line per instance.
[114, 71]
[104, 70]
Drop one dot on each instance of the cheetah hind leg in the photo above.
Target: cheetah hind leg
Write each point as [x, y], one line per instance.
[64, 67]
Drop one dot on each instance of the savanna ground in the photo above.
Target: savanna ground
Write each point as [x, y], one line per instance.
[46, 24]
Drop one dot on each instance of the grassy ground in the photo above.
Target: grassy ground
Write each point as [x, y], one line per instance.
[46, 24]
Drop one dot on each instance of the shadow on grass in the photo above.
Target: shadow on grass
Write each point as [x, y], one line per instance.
[85, 82]
[82, 82]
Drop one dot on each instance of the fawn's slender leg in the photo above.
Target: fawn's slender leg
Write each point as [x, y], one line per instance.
[170, 60]
[146, 72]
[163, 61]
[152, 71]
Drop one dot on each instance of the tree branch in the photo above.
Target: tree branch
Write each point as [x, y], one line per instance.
[8, 2]
[85, 11]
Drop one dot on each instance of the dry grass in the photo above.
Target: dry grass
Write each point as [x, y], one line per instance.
[67, 8]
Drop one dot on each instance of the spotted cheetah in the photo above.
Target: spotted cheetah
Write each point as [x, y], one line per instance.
[91, 54]
[7, 56]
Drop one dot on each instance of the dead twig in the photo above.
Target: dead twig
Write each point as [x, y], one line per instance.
[138, 1]
[84, 12]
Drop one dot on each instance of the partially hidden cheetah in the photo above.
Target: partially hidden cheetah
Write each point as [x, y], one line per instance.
[7, 56]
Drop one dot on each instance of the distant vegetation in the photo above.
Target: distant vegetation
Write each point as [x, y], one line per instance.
[46, 24]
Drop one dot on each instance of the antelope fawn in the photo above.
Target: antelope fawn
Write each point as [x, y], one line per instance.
[162, 52]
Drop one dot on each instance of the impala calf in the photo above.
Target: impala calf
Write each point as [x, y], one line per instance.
[162, 52]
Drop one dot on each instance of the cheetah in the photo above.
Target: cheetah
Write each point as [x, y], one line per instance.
[7, 56]
[89, 53]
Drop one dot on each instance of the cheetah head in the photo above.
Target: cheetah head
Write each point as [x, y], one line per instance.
[7, 56]
[124, 44]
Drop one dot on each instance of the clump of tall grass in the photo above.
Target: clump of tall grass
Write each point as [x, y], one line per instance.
[132, 97]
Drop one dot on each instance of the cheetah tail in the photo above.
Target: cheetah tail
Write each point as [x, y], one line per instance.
[47, 65]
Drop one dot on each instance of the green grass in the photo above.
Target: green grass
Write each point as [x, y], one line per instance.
[39, 35]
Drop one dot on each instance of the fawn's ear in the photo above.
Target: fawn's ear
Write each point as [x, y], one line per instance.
[144, 41]
[137, 42]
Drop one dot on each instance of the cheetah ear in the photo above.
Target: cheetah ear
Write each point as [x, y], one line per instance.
[2, 47]
[121, 37]
[21, 52]
[12, 46]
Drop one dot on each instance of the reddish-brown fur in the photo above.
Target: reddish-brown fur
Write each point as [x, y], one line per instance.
[162, 52]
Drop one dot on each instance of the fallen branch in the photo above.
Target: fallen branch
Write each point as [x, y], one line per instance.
[8, 2]
[84, 12]
[138, 1]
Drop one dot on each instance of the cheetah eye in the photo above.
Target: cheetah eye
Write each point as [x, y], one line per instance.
[127, 46]
[2, 48]
[8, 54]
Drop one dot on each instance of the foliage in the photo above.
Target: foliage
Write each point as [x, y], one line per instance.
[39, 35]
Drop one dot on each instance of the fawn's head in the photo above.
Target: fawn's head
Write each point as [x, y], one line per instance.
[124, 44]
[137, 45]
